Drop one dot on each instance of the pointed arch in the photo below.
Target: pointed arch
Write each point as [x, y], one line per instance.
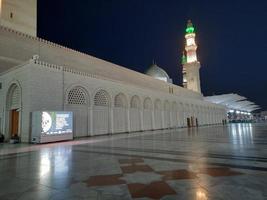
[120, 119]
[157, 105]
[135, 113]
[158, 114]
[167, 118]
[101, 112]
[148, 103]
[13, 109]
[78, 101]
[102, 98]
[120, 100]
[147, 113]
[78, 95]
[166, 105]
[135, 102]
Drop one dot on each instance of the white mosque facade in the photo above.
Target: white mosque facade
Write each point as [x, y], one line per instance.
[38, 75]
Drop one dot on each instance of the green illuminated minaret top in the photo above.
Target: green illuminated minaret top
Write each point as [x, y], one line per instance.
[190, 28]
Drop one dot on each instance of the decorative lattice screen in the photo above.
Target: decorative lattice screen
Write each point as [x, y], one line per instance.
[120, 101]
[101, 98]
[135, 102]
[77, 96]
[148, 103]
[157, 104]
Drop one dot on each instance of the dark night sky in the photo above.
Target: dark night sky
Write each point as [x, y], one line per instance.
[231, 36]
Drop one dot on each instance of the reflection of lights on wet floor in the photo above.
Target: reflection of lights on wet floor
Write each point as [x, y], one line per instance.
[234, 135]
[241, 134]
[201, 195]
[61, 160]
[56, 161]
[45, 164]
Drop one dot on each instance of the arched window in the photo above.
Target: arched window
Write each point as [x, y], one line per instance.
[148, 103]
[186, 108]
[77, 96]
[101, 98]
[174, 106]
[120, 101]
[14, 97]
[135, 102]
[157, 104]
[181, 106]
[166, 106]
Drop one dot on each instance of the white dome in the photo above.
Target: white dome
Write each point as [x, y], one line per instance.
[158, 73]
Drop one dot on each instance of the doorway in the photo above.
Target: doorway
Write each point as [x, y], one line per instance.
[14, 123]
[13, 111]
[188, 122]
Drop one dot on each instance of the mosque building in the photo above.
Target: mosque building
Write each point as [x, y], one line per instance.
[38, 75]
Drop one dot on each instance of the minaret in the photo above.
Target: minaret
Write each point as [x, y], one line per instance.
[190, 63]
[184, 71]
[19, 15]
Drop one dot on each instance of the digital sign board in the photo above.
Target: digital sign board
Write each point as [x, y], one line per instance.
[51, 126]
[54, 123]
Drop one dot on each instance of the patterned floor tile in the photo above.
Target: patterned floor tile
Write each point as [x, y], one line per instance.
[219, 171]
[105, 180]
[136, 168]
[216, 163]
[155, 190]
[177, 174]
[142, 177]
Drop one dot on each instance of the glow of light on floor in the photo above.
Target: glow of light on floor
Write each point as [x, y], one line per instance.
[233, 131]
[241, 134]
[61, 161]
[45, 165]
[201, 195]
[241, 138]
[251, 133]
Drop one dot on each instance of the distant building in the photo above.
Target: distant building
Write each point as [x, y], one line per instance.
[263, 115]
[238, 107]
[38, 75]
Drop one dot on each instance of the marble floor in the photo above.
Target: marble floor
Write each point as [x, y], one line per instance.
[215, 162]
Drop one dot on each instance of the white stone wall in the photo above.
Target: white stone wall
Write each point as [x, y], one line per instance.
[16, 47]
[20, 77]
[20, 15]
[46, 87]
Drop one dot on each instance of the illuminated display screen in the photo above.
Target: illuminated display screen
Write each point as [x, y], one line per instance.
[56, 123]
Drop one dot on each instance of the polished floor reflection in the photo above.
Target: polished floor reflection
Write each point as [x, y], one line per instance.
[216, 162]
